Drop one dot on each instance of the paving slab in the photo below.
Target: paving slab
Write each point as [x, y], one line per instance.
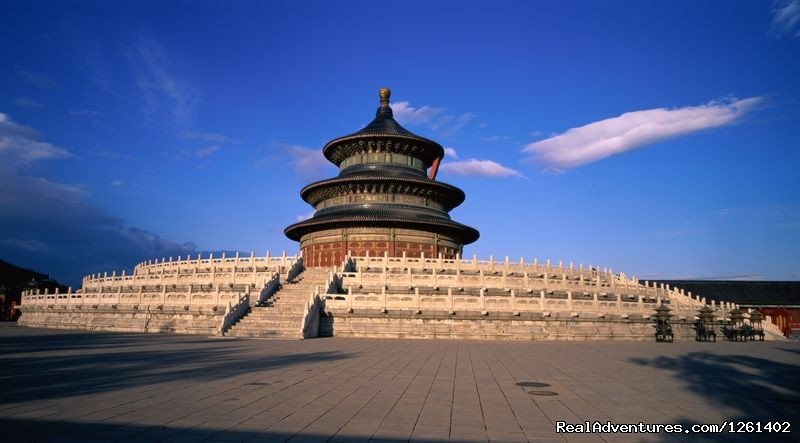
[92, 386]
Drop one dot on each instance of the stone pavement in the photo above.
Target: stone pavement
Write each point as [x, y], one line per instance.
[84, 386]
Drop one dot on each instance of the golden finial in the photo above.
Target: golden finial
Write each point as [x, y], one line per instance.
[384, 94]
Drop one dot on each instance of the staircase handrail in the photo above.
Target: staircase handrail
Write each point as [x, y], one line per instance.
[296, 269]
[334, 282]
[349, 265]
[310, 326]
[270, 287]
[234, 312]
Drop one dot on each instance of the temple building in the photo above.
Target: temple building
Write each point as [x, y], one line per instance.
[381, 257]
[386, 198]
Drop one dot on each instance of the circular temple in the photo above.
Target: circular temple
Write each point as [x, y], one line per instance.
[382, 201]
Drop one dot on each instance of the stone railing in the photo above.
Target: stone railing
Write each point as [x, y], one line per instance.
[451, 300]
[223, 270]
[535, 286]
[474, 264]
[270, 288]
[234, 312]
[311, 316]
[155, 295]
[295, 270]
[310, 325]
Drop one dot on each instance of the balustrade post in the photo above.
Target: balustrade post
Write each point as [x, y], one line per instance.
[595, 302]
[483, 299]
[419, 302]
[385, 299]
[541, 300]
[569, 301]
[450, 299]
[513, 302]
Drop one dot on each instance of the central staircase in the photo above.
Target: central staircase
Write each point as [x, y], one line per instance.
[282, 315]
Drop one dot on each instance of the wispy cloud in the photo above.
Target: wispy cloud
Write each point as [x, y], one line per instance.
[735, 277]
[496, 138]
[20, 145]
[156, 82]
[207, 151]
[209, 137]
[473, 167]
[450, 152]
[437, 119]
[308, 163]
[82, 238]
[36, 79]
[83, 112]
[632, 130]
[117, 183]
[28, 103]
[306, 216]
[786, 17]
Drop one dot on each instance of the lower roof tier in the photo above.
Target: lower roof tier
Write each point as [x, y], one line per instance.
[384, 218]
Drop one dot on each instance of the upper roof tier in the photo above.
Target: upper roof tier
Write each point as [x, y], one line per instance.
[383, 134]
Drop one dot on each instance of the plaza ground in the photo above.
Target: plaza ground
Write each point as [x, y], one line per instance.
[86, 386]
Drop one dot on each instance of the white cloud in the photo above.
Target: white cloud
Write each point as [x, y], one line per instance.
[479, 168]
[308, 162]
[437, 119]
[156, 82]
[28, 103]
[786, 17]
[632, 130]
[450, 152]
[117, 183]
[19, 144]
[208, 150]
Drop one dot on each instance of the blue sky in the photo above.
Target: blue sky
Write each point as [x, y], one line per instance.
[658, 139]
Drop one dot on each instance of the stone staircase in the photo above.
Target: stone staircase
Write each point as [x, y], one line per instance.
[282, 315]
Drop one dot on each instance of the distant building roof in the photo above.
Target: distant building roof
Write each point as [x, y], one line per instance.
[748, 293]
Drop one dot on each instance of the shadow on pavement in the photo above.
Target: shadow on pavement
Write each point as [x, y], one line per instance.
[41, 364]
[758, 389]
[44, 430]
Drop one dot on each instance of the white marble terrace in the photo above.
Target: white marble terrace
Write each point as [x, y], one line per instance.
[391, 283]
[194, 282]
